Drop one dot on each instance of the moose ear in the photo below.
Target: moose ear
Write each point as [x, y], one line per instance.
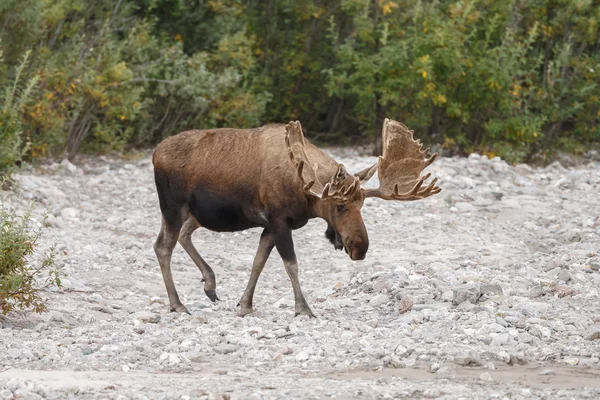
[366, 173]
[341, 172]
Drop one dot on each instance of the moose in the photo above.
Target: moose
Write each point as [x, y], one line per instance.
[228, 180]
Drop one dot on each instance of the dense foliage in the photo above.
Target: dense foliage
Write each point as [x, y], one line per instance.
[20, 280]
[515, 78]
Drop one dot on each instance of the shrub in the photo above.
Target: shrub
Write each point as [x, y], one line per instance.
[13, 100]
[20, 280]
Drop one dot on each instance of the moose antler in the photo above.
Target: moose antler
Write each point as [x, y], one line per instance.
[401, 164]
[307, 172]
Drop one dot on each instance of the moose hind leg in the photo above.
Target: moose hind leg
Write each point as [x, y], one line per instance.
[163, 247]
[262, 255]
[208, 275]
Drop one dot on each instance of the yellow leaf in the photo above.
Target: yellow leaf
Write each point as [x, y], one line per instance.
[388, 7]
[424, 74]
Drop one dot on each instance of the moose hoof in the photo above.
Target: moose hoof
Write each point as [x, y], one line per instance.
[245, 311]
[180, 308]
[211, 294]
[305, 311]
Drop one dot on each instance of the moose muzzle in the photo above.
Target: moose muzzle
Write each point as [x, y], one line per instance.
[357, 248]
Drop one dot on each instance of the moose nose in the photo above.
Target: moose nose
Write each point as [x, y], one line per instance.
[358, 249]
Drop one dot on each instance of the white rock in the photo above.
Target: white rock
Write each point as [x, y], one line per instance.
[378, 300]
[486, 376]
[145, 316]
[463, 207]
[470, 292]
[68, 166]
[70, 213]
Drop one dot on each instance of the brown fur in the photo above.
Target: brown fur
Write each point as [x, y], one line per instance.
[235, 179]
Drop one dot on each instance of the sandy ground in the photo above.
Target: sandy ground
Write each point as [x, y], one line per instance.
[500, 269]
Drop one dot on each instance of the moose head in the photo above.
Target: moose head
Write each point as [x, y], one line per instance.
[336, 195]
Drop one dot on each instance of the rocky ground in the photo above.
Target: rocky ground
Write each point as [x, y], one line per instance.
[487, 290]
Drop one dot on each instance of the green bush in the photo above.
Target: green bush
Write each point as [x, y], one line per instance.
[20, 281]
[514, 78]
[13, 100]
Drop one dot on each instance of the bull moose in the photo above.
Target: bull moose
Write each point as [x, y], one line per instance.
[228, 180]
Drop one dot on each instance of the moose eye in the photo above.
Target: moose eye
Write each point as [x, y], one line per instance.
[341, 208]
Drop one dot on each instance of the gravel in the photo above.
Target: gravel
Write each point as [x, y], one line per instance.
[488, 290]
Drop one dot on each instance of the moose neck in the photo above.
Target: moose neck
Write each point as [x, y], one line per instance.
[317, 208]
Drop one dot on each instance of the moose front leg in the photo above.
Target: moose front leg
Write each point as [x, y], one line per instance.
[285, 246]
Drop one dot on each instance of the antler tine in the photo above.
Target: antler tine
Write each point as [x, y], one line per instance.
[306, 186]
[430, 190]
[430, 160]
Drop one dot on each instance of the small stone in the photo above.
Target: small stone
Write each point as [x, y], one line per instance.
[70, 213]
[157, 300]
[492, 290]
[401, 351]
[68, 166]
[486, 376]
[395, 362]
[594, 336]
[145, 316]
[525, 337]
[497, 194]
[346, 303]
[302, 356]
[564, 291]
[533, 308]
[536, 291]
[174, 359]
[463, 207]
[447, 296]
[547, 371]
[224, 349]
[466, 306]
[471, 359]
[553, 273]
[503, 356]
[373, 323]
[405, 305]
[378, 300]
[571, 361]
[471, 292]
[564, 275]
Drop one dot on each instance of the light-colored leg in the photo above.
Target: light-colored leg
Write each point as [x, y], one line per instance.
[285, 246]
[163, 247]
[265, 246]
[301, 305]
[208, 275]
